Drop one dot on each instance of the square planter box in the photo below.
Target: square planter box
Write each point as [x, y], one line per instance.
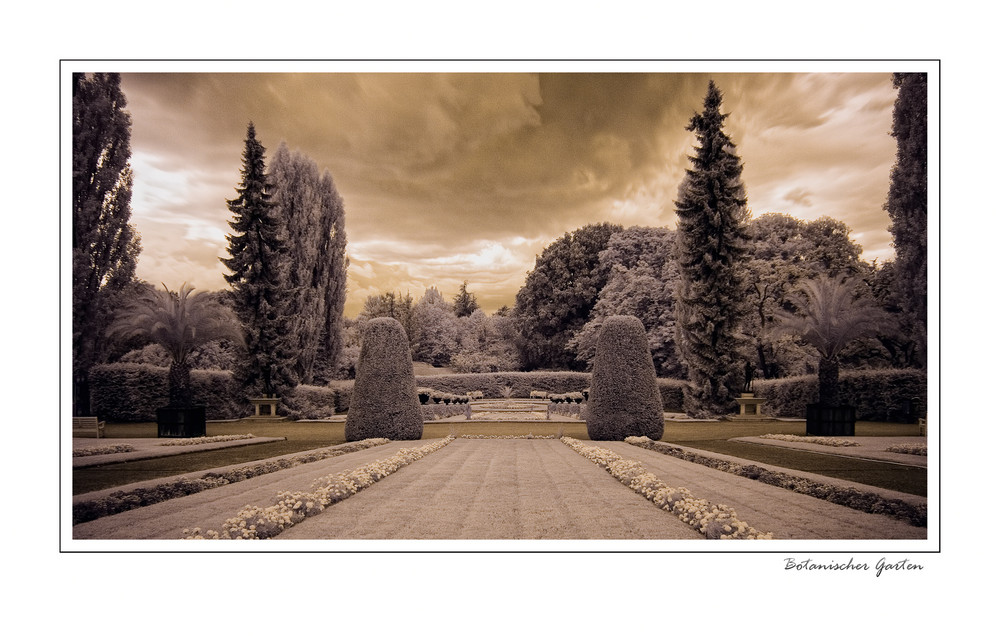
[829, 420]
[180, 422]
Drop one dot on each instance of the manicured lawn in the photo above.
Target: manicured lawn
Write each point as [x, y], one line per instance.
[712, 436]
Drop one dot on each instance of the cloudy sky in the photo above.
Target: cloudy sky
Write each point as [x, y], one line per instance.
[468, 176]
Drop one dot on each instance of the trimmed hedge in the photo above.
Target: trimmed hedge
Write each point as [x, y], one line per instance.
[384, 402]
[523, 382]
[131, 392]
[308, 402]
[624, 396]
[671, 394]
[882, 395]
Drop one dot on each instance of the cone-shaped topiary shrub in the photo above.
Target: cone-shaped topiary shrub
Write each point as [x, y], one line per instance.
[624, 397]
[384, 402]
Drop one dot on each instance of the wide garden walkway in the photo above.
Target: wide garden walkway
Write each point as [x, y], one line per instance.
[503, 489]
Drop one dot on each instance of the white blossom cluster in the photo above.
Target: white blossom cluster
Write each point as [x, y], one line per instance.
[823, 441]
[715, 521]
[103, 450]
[254, 522]
[908, 449]
[528, 436]
[194, 441]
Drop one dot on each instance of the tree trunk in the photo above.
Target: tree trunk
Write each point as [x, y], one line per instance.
[829, 381]
[179, 384]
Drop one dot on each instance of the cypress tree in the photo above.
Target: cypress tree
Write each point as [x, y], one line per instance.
[624, 397]
[105, 245]
[907, 207]
[260, 299]
[711, 246]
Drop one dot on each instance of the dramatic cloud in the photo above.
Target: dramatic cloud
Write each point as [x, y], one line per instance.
[453, 177]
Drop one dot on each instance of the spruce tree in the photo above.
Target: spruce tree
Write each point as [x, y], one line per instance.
[711, 246]
[465, 303]
[907, 207]
[260, 299]
[105, 245]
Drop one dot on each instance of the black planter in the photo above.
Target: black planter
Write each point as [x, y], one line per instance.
[423, 397]
[174, 421]
[829, 420]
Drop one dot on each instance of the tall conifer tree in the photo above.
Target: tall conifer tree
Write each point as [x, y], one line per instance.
[260, 299]
[311, 214]
[711, 246]
[907, 207]
[105, 245]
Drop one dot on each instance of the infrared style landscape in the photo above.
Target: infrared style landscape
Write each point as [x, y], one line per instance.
[512, 306]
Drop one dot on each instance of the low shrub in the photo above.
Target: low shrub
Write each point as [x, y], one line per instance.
[307, 402]
[671, 394]
[885, 395]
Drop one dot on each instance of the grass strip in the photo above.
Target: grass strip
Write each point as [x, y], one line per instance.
[123, 500]
[873, 503]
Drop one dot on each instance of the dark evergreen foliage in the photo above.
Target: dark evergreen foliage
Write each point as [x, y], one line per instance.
[907, 208]
[105, 245]
[711, 248]
[558, 296]
[260, 298]
[384, 402]
[465, 303]
[624, 397]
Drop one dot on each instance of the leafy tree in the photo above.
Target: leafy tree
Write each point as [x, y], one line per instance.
[312, 214]
[558, 296]
[389, 305]
[260, 299]
[641, 276]
[829, 316]
[434, 330]
[783, 251]
[465, 303]
[907, 207]
[105, 245]
[179, 322]
[711, 248]
[486, 344]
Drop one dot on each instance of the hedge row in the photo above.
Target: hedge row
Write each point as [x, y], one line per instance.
[131, 392]
[492, 384]
[882, 395]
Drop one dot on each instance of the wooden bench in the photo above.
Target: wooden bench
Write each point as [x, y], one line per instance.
[88, 424]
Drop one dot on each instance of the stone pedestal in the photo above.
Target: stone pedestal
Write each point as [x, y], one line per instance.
[749, 408]
[825, 420]
[172, 421]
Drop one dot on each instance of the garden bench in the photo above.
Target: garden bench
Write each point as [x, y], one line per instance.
[88, 424]
[922, 427]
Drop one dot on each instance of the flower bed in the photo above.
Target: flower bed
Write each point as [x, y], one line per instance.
[123, 500]
[254, 522]
[498, 416]
[823, 441]
[103, 450]
[528, 436]
[194, 441]
[908, 449]
[914, 514]
[715, 521]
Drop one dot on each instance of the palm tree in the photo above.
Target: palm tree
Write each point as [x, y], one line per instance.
[179, 322]
[830, 317]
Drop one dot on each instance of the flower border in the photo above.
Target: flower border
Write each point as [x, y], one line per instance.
[254, 522]
[873, 503]
[124, 500]
[715, 521]
[103, 450]
[823, 441]
[194, 441]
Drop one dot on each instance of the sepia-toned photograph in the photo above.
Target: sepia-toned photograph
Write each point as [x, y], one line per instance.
[523, 307]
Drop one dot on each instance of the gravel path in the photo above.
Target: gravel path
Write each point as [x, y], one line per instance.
[504, 489]
[786, 514]
[496, 489]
